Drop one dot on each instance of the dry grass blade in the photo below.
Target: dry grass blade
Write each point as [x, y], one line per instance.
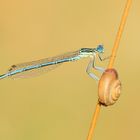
[110, 65]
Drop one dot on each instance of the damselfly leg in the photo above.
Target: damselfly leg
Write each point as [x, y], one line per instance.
[92, 65]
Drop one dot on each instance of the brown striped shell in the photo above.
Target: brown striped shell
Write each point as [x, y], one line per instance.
[109, 87]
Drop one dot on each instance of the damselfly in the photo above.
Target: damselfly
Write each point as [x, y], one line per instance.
[33, 68]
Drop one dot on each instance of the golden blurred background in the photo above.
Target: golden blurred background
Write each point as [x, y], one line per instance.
[59, 105]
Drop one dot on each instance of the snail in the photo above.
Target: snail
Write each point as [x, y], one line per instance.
[109, 87]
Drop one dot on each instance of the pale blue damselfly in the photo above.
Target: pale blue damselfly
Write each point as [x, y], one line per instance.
[33, 68]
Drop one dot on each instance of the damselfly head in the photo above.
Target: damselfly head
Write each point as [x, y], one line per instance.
[100, 48]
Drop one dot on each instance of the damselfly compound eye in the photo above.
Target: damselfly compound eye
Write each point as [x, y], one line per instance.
[100, 48]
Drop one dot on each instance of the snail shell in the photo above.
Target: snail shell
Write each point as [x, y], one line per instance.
[109, 87]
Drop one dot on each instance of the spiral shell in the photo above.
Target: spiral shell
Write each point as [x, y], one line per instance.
[109, 87]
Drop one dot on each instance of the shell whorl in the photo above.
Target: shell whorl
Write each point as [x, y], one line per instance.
[109, 87]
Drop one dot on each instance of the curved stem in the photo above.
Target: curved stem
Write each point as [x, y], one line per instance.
[110, 65]
[94, 120]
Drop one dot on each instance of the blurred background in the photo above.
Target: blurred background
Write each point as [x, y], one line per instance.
[59, 105]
